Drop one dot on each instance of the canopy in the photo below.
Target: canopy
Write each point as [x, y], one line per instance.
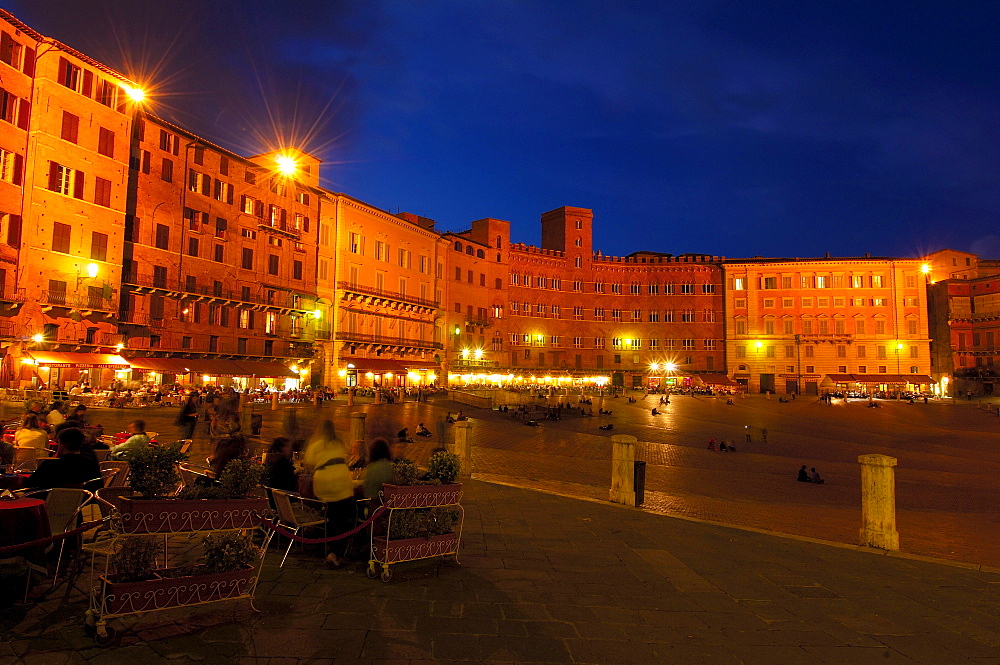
[715, 379]
[80, 360]
[878, 379]
[212, 367]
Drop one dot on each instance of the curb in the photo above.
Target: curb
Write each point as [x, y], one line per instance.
[778, 534]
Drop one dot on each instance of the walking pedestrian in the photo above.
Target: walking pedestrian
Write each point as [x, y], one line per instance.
[188, 417]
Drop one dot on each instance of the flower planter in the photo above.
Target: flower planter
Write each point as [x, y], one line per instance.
[168, 515]
[409, 549]
[165, 592]
[421, 496]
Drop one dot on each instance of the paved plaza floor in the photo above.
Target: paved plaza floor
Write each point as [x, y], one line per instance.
[548, 579]
[947, 489]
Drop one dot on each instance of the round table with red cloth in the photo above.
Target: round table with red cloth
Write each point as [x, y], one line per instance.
[21, 521]
[13, 481]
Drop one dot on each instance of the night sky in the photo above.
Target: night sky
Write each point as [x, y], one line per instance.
[732, 128]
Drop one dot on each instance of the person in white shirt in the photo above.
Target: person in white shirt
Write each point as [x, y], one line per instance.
[139, 439]
[55, 416]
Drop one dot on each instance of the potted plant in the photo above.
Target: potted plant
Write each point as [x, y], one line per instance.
[227, 505]
[437, 489]
[225, 571]
[418, 534]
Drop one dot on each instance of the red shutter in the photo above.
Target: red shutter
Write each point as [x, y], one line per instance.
[14, 232]
[63, 70]
[29, 61]
[88, 83]
[243, 202]
[53, 176]
[24, 114]
[305, 225]
[284, 218]
[229, 195]
[218, 189]
[145, 161]
[78, 185]
[258, 208]
[206, 185]
[18, 169]
[177, 144]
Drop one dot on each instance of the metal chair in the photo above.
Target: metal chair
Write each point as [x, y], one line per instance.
[26, 457]
[63, 506]
[120, 478]
[294, 520]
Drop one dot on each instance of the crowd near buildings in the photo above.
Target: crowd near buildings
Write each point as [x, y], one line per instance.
[133, 250]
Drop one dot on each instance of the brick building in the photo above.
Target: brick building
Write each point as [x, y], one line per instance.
[812, 325]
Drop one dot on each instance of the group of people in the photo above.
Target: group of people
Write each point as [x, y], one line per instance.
[724, 446]
[810, 476]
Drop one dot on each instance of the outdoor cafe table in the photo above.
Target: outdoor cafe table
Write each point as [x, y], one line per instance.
[13, 481]
[22, 521]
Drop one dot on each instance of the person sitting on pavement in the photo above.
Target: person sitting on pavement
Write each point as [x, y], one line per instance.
[803, 475]
[138, 440]
[70, 469]
[422, 431]
[655, 412]
[722, 446]
[609, 426]
[403, 435]
[815, 477]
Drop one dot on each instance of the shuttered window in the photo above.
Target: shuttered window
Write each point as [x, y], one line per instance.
[61, 237]
[106, 145]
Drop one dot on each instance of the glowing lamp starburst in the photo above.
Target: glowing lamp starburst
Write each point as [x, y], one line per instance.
[135, 94]
[287, 166]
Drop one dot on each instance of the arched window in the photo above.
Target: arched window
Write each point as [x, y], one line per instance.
[498, 258]
[499, 241]
[578, 242]
[480, 254]
[578, 262]
[468, 250]
[458, 246]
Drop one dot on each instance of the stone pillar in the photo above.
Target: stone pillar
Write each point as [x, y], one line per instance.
[357, 427]
[350, 397]
[378, 396]
[274, 400]
[878, 502]
[623, 469]
[463, 446]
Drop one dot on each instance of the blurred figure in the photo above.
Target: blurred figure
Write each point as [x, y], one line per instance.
[279, 469]
[326, 459]
[188, 417]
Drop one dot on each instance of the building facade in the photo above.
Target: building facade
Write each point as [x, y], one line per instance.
[805, 326]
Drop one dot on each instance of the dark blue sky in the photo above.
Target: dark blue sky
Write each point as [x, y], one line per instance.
[734, 128]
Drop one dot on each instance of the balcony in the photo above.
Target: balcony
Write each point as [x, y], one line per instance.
[385, 340]
[112, 339]
[322, 334]
[6, 328]
[281, 300]
[90, 301]
[8, 294]
[388, 295]
[135, 318]
[278, 227]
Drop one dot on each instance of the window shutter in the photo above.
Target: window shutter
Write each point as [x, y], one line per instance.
[78, 185]
[229, 195]
[14, 232]
[284, 218]
[18, 169]
[29, 61]
[64, 71]
[24, 114]
[206, 185]
[305, 225]
[192, 181]
[258, 208]
[145, 161]
[53, 177]
[243, 202]
[88, 83]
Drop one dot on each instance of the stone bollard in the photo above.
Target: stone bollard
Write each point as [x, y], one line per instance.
[623, 469]
[878, 502]
[357, 427]
[463, 446]
[378, 396]
[350, 398]
[274, 401]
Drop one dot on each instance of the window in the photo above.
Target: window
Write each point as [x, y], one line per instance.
[807, 302]
[577, 285]
[167, 170]
[219, 254]
[355, 243]
[185, 342]
[223, 191]
[822, 282]
[878, 281]
[616, 288]
[192, 246]
[739, 284]
[788, 326]
[741, 351]
[654, 316]
[741, 327]
[857, 281]
[807, 327]
[616, 315]
[70, 127]
[71, 76]
[768, 326]
[106, 144]
[272, 264]
[789, 352]
[881, 352]
[707, 288]
[768, 303]
[769, 283]
[841, 351]
[170, 142]
[788, 302]
[840, 327]
[740, 303]
[879, 327]
[810, 351]
[102, 192]
[60, 237]
[687, 317]
[687, 289]
[786, 282]
[247, 258]
[99, 246]
[296, 269]
[862, 352]
[65, 180]
[11, 167]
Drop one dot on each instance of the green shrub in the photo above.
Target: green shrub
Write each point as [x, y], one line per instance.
[134, 557]
[240, 478]
[153, 469]
[409, 524]
[228, 551]
[444, 466]
[442, 520]
[404, 472]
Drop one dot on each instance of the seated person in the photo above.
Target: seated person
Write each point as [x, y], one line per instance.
[815, 477]
[279, 470]
[31, 434]
[607, 427]
[70, 469]
[655, 412]
[139, 439]
[404, 436]
[422, 431]
[379, 469]
[226, 450]
[55, 416]
[79, 413]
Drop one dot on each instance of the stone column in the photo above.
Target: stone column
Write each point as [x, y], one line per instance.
[378, 396]
[274, 400]
[350, 397]
[878, 502]
[463, 446]
[623, 469]
[357, 427]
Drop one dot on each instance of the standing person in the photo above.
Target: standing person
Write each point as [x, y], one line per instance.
[188, 417]
[226, 421]
[326, 459]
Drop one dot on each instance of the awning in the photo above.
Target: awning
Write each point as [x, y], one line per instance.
[879, 379]
[377, 365]
[266, 370]
[420, 364]
[79, 360]
[162, 365]
[715, 379]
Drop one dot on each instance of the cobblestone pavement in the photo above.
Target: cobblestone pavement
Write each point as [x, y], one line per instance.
[548, 579]
[949, 460]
